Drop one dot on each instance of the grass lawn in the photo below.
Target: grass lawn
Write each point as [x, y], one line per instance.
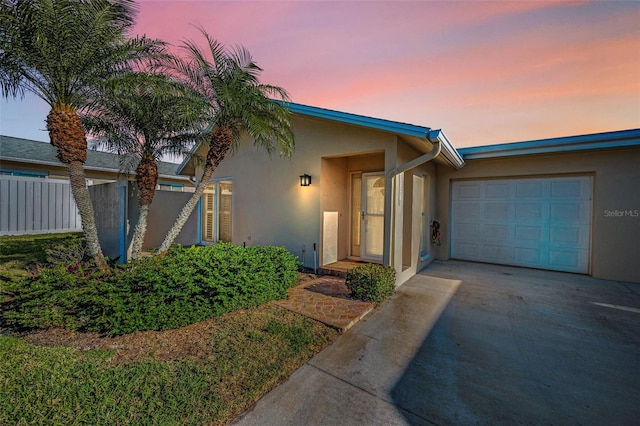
[205, 373]
[18, 253]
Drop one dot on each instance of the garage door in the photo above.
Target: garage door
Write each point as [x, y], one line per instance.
[539, 222]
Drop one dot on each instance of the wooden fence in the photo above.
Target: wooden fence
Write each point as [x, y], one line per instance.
[36, 206]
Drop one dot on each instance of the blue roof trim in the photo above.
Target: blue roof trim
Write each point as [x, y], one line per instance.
[360, 120]
[615, 139]
[425, 133]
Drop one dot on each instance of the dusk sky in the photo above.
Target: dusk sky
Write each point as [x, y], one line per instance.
[484, 72]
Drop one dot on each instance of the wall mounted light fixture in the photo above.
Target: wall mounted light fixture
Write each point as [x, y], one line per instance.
[305, 180]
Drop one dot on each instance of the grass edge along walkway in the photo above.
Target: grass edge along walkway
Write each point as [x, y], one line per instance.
[246, 354]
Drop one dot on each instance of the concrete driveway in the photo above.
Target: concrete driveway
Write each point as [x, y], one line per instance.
[466, 343]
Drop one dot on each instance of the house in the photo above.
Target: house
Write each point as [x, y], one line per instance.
[34, 186]
[374, 190]
[29, 158]
[371, 197]
[365, 189]
[567, 204]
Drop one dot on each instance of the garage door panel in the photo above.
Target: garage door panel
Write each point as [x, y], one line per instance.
[468, 250]
[571, 188]
[567, 259]
[496, 252]
[524, 234]
[493, 232]
[570, 236]
[469, 232]
[534, 222]
[495, 190]
[468, 211]
[567, 212]
[529, 211]
[527, 256]
[497, 212]
[468, 191]
[577, 212]
[529, 189]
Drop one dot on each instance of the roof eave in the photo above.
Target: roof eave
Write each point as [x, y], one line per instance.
[447, 152]
[359, 120]
[606, 140]
[85, 167]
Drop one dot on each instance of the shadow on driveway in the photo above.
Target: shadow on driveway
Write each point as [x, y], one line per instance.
[465, 343]
[520, 346]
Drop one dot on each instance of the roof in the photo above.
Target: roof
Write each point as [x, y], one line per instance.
[35, 152]
[605, 140]
[448, 152]
[360, 120]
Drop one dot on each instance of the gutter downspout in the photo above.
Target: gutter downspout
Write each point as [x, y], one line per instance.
[389, 195]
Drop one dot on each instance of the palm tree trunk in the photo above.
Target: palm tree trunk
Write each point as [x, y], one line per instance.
[221, 141]
[81, 196]
[146, 180]
[138, 235]
[67, 135]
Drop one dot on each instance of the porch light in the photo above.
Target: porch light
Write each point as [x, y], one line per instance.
[305, 180]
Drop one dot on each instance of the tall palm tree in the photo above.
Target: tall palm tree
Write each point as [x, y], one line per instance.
[146, 116]
[60, 50]
[238, 103]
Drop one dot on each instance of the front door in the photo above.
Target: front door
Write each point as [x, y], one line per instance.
[372, 216]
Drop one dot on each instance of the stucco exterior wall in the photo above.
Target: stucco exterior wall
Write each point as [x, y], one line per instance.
[409, 224]
[270, 206]
[615, 228]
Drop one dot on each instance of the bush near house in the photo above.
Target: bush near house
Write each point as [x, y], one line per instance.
[186, 286]
[371, 283]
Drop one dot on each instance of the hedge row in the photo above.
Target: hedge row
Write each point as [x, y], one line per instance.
[187, 285]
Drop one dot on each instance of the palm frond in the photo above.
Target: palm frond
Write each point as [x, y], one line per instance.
[146, 115]
[59, 50]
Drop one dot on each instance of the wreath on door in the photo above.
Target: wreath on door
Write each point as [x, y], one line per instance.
[435, 232]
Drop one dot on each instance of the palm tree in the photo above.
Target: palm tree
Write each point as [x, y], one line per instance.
[146, 116]
[60, 50]
[238, 103]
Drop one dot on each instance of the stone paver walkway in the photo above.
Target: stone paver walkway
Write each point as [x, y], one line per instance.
[326, 299]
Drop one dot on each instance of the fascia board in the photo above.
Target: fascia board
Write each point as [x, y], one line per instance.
[360, 120]
[187, 158]
[618, 139]
[452, 155]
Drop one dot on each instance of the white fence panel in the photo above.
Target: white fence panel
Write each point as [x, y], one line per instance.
[36, 206]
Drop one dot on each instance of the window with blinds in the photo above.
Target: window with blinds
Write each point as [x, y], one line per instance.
[217, 204]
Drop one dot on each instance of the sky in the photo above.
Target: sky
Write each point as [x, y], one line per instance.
[485, 72]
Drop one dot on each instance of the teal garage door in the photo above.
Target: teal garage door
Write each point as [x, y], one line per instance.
[535, 222]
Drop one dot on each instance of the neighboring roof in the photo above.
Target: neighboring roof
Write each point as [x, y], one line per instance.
[34, 152]
[606, 140]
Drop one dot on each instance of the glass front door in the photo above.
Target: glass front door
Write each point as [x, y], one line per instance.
[372, 216]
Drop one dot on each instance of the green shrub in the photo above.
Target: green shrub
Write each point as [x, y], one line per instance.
[70, 251]
[371, 282]
[187, 285]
